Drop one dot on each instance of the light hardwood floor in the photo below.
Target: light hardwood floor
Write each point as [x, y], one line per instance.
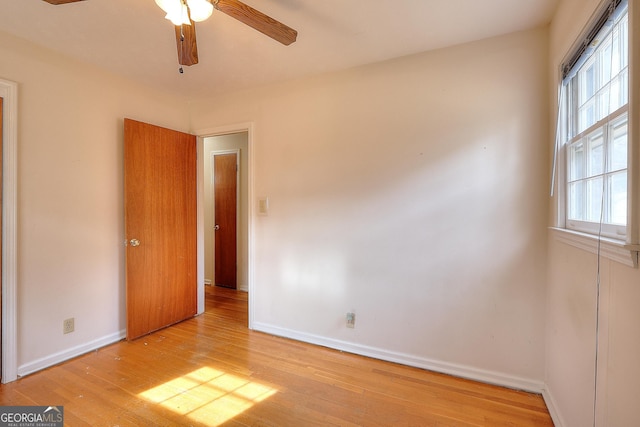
[212, 370]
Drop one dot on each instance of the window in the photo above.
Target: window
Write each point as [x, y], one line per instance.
[594, 128]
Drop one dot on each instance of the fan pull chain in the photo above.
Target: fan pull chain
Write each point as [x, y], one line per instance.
[181, 70]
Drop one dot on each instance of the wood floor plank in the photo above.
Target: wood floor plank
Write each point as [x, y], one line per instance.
[213, 370]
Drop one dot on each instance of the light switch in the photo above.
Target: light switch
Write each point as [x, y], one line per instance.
[263, 206]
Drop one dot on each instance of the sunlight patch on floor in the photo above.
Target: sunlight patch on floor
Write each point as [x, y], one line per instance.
[208, 395]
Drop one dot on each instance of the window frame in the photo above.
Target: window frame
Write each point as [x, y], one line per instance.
[584, 92]
[605, 127]
[582, 235]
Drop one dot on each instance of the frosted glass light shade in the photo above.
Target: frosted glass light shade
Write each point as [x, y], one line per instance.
[179, 15]
[200, 9]
[177, 11]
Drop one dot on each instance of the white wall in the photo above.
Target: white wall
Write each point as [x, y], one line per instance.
[412, 191]
[572, 299]
[571, 338]
[415, 193]
[70, 198]
[217, 143]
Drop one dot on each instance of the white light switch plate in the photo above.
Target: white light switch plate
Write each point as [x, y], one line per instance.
[263, 206]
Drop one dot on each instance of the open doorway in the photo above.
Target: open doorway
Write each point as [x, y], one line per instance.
[232, 146]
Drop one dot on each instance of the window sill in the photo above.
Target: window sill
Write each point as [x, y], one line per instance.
[615, 250]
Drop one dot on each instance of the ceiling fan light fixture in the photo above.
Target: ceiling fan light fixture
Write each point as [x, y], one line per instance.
[179, 15]
[200, 10]
[176, 10]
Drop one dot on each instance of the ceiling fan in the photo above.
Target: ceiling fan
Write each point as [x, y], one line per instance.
[184, 14]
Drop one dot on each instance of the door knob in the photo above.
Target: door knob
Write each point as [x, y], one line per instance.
[134, 242]
[217, 227]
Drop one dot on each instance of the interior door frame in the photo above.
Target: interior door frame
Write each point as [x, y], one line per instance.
[235, 151]
[9, 92]
[220, 131]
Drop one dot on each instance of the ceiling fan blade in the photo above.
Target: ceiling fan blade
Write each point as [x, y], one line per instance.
[257, 20]
[57, 2]
[186, 43]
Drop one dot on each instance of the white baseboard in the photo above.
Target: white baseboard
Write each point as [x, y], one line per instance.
[207, 282]
[552, 406]
[485, 376]
[54, 359]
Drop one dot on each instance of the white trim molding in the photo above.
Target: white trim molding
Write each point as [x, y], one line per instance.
[200, 281]
[70, 353]
[552, 406]
[614, 250]
[462, 371]
[9, 92]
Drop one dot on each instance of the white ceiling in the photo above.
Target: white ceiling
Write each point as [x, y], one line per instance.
[132, 38]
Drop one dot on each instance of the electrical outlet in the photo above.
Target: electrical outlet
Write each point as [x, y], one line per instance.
[351, 320]
[68, 326]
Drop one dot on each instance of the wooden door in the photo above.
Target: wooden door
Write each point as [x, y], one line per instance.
[160, 227]
[225, 184]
